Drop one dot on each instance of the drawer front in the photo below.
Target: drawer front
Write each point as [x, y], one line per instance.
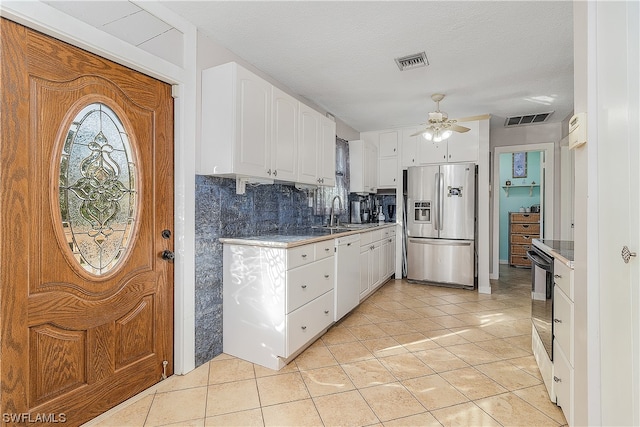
[366, 238]
[377, 235]
[563, 322]
[522, 239]
[324, 249]
[525, 217]
[562, 383]
[300, 255]
[525, 228]
[520, 260]
[563, 278]
[306, 322]
[308, 282]
[520, 249]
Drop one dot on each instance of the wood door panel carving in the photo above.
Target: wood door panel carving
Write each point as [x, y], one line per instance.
[135, 336]
[76, 338]
[58, 361]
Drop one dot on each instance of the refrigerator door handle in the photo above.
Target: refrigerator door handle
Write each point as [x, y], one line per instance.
[441, 242]
[436, 204]
[440, 200]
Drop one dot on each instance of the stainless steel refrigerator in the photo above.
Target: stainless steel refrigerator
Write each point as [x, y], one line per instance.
[441, 224]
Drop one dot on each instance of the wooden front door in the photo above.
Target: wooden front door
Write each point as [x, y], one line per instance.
[86, 215]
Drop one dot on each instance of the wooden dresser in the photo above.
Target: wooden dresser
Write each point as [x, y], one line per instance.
[522, 228]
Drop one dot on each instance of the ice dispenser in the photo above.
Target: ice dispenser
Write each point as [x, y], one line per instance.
[422, 211]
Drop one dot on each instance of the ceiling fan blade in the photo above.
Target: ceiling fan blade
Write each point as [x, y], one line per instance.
[458, 128]
[472, 118]
[419, 132]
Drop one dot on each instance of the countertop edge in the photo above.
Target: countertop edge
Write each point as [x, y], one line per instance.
[305, 240]
[556, 255]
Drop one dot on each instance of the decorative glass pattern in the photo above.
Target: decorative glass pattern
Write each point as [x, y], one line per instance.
[97, 189]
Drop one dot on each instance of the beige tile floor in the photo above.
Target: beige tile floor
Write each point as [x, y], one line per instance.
[410, 355]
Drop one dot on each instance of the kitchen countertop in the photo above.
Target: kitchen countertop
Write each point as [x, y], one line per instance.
[559, 249]
[290, 239]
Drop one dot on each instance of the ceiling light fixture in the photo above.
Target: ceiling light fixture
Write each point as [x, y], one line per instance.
[436, 133]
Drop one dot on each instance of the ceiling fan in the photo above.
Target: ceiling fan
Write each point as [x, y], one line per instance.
[440, 126]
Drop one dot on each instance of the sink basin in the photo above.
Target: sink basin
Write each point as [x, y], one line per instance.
[357, 226]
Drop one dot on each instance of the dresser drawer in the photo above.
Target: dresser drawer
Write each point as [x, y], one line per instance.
[520, 260]
[520, 249]
[522, 239]
[308, 282]
[324, 249]
[366, 238]
[306, 322]
[529, 218]
[525, 228]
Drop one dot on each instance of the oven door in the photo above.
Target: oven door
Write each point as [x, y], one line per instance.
[542, 297]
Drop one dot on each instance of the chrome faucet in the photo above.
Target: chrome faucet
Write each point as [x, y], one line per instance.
[332, 214]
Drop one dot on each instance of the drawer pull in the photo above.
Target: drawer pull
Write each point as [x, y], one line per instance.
[525, 225]
[326, 249]
[326, 276]
[326, 312]
[304, 255]
[304, 327]
[304, 286]
[556, 379]
[557, 321]
[557, 276]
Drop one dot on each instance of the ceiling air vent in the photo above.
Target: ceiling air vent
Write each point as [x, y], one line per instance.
[528, 119]
[409, 62]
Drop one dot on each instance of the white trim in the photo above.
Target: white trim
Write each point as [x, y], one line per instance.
[50, 21]
[547, 202]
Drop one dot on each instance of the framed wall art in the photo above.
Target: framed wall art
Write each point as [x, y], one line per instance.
[520, 164]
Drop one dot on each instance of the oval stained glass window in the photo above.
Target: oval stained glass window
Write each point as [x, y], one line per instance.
[97, 189]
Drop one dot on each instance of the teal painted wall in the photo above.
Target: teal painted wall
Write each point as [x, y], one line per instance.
[518, 196]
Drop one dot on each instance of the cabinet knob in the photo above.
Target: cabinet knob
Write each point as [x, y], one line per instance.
[304, 327]
[326, 276]
[275, 172]
[327, 249]
[304, 286]
[556, 379]
[304, 255]
[269, 172]
[557, 321]
[557, 276]
[326, 312]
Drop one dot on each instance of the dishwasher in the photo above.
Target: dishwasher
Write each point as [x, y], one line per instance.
[347, 269]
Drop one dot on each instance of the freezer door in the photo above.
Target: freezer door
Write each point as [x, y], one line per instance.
[441, 261]
[457, 215]
[422, 201]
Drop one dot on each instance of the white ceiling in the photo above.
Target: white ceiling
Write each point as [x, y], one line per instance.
[500, 57]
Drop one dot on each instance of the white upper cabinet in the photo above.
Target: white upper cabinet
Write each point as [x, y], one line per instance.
[388, 143]
[409, 147]
[236, 122]
[363, 162]
[460, 147]
[284, 147]
[316, 149]
[252, 128]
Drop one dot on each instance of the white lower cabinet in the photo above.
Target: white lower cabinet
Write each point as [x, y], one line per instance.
[276, 301]
[377, 256]
[563, 339]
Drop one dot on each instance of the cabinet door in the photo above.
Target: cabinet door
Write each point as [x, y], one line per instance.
[371, 167]
[432, 152]
[388, 172]
[253, 124]
[388, 143]
[391, 256]
[375, 269]
[383, 264]
[463, 147]
[308, 147]
[327, 157]
[410, 147]
[365, 270]
[284, 142]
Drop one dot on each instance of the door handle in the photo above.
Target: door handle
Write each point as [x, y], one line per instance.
[168, 255]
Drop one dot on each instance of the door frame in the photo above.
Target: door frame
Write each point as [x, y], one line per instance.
[546, 194]
[52, 22]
